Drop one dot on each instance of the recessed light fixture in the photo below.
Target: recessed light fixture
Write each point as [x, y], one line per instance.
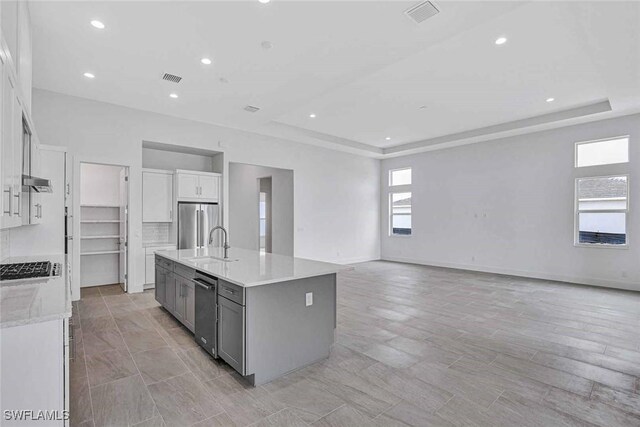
[173, 95]
[312, 115]
[206, 61]
[99, 25]
[388, 138]
[501, 40]
[266, 44]
[89, 75]
[550, 99]
[264, 1]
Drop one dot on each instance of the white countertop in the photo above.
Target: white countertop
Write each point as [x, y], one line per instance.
[35, 300]
[251, 268]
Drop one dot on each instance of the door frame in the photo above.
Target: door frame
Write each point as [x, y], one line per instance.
[77, 162]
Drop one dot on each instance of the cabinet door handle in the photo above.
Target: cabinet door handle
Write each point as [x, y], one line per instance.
[19, 207]
[10, 191]
[171, 214]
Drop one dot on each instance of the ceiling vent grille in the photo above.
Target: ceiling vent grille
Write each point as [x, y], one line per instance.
[251, 109]
[422, 11]
[171, 78]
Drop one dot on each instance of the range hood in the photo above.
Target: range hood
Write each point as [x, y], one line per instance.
[39, 185]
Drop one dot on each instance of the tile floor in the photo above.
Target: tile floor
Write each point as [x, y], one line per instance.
[415, 346]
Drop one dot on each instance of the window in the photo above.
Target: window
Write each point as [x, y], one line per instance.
[400, 214]
[601, 210]
[400, 177]
[603, 152]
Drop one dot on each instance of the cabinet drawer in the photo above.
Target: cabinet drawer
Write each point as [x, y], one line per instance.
[186, 272]
[164, 263]
[233, 292]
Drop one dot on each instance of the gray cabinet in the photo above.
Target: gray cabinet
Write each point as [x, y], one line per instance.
[190, 305]
[231, 337]
[179, 312]
[161, 284]
[185, 302]
[170, 293]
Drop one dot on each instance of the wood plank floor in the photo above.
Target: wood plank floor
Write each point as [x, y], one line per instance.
[415, 346]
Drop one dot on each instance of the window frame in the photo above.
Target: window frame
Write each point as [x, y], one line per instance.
[613, 138]
[577, 212]
[391, 214]
[390, 180]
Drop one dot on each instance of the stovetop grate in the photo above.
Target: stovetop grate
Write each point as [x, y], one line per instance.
[25, 270]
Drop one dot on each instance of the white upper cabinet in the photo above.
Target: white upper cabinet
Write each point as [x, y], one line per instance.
[188, 186]
[198, 186]
[24, 50]
[157, 196]
[210, 187]
[11, 141]
[15, 104]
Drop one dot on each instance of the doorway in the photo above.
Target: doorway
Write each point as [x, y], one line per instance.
[104, 225]
[264, 214]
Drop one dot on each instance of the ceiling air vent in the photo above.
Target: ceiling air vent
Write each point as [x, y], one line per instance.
[422, 11]
[171, 78]
[251, 109]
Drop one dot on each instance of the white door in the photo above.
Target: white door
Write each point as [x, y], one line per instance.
[209, 187]
[157, 197]
[188, 186]
[124, 226]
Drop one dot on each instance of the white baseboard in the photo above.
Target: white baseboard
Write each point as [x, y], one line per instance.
[592, 281]
[345, 261]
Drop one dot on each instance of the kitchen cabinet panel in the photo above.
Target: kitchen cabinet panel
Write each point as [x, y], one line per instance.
[157, 197]
[210, 187]
[189, 297]
[231, 337]
[161, 284]
[188, 186]
[170, 292]
[11, 139]
[197, 186]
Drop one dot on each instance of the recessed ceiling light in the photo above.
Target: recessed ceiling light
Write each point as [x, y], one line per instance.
[550, 99]
[388, 138]
[173, 95]
[266, 44]
[312, 115]
[89, 75]
[206, 61]
[501, 40]
[264, 1]
[99, 25]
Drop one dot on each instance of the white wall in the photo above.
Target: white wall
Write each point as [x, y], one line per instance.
[243, 207]
[507, 206]
[99, 185]
[336, 194]
[170, 160]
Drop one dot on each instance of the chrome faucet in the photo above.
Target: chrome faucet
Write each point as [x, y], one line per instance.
[226, 242]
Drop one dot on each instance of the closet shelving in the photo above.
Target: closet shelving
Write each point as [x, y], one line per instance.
[99, 244]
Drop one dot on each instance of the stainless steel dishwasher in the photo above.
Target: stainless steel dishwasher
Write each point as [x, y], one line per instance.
[206, 327]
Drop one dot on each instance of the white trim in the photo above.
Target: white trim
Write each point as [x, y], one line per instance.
[591, 281]
[162, 171]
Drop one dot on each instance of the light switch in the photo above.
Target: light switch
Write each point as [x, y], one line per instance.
[309, 296]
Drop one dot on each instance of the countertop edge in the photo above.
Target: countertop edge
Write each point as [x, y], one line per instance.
[43, 319]
[252, 284]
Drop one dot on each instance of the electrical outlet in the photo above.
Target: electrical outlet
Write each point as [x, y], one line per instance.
[309, 298]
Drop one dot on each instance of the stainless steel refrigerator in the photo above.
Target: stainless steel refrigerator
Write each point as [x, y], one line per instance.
[195, 220]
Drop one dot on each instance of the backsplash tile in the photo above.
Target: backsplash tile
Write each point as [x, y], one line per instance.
[155, 232]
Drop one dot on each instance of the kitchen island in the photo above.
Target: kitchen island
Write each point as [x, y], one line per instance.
[264, 314]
